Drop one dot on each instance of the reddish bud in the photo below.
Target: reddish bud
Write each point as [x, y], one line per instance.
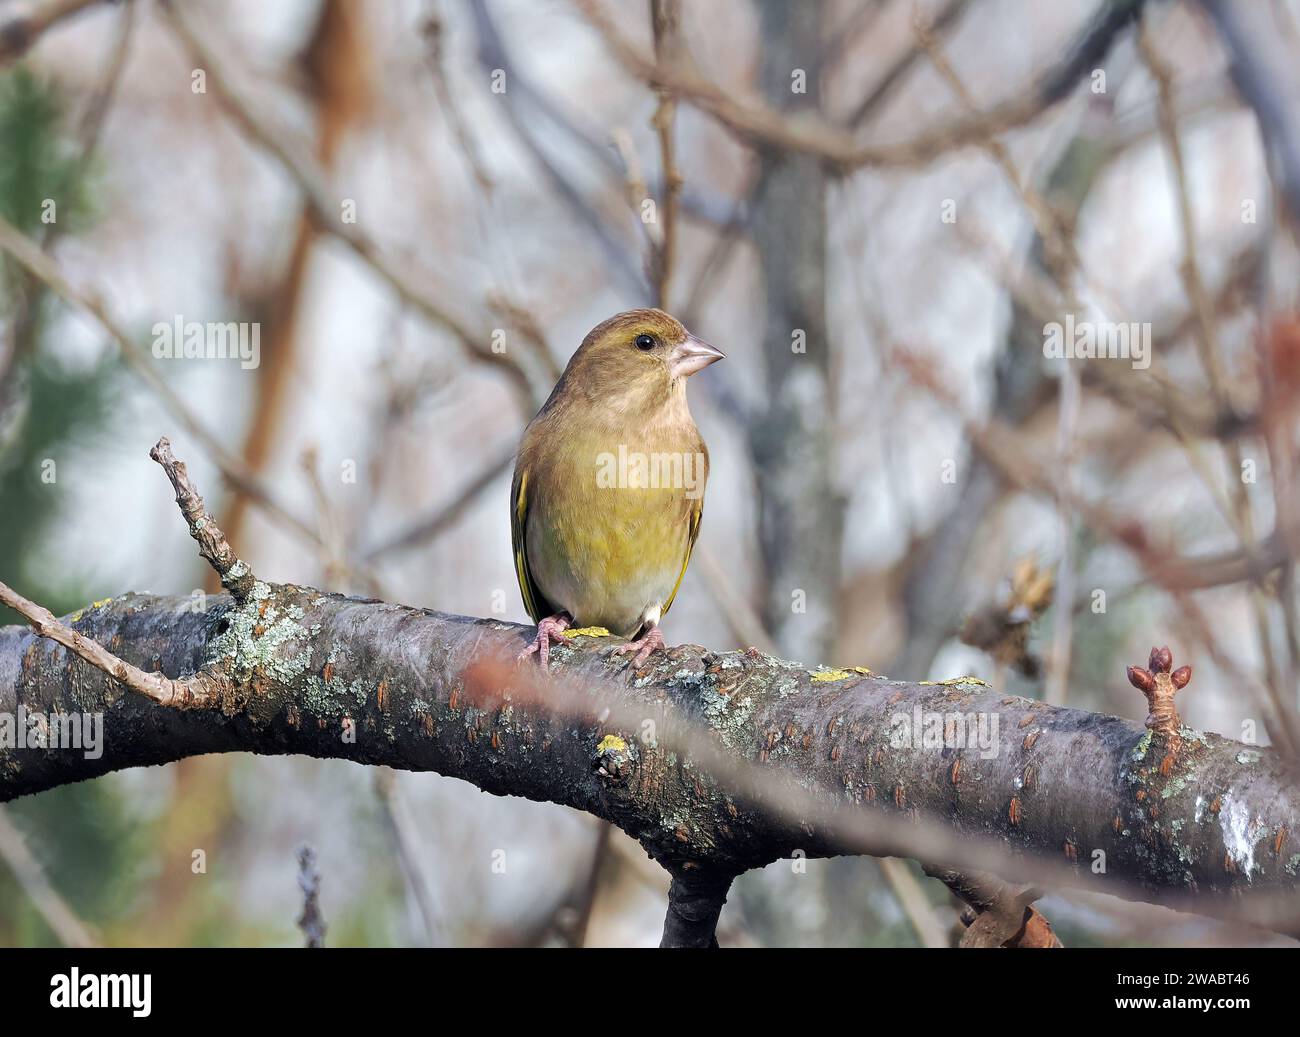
[1141, 679]
[1161, 660]
[1181, 676]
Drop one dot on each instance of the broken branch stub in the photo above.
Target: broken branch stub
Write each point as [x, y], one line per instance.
[236, 576]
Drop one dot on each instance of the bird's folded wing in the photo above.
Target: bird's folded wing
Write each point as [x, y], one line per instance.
[697, 512]
[534, 601]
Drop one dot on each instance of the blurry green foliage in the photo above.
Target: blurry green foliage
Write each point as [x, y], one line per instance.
[58, 409]
[38, 159]
[44, 407]
[80, 833]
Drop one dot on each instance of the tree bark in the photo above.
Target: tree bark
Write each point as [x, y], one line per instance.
[715, 762]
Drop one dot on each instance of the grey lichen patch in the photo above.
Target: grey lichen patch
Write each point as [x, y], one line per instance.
[318, 697]
[1248, 756]
[1139, 752]
[1292, 864]
[727, 715]
[259, 638]
[1173, 788]
[237, 572]
[563, 653]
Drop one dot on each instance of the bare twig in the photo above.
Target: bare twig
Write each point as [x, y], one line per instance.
[897, 72]
[324, 205]
[31, 878]
[601, 858]
[235, 574]
[763, 125]
[665, 17]
[236, 472]
[401, 830]
[431, 526]
[1172, 572]
[912, 899]
[311, 922]
[197, 692]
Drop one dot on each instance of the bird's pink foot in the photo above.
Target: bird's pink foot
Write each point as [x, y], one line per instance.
[643, 646]
[549, 631]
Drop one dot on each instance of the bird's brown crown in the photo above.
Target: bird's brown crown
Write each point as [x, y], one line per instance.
[625, 328]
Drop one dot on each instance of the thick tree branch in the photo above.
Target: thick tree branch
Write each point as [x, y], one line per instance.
[813, 767]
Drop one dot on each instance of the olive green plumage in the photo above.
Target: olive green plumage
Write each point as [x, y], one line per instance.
[609, 484]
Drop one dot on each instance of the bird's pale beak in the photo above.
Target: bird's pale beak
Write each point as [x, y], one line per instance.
[692, 355]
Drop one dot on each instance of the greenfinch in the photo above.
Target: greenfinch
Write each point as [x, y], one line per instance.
[608, 488]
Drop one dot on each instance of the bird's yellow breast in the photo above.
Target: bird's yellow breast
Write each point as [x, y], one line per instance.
[610, 521]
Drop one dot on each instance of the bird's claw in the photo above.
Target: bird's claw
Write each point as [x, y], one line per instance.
[549, 631]
[651, 640]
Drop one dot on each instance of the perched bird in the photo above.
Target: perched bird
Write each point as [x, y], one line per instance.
[609, 485]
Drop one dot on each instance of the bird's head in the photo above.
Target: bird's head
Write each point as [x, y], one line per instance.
[640, 355]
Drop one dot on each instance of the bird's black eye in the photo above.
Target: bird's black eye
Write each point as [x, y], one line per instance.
[645, 342]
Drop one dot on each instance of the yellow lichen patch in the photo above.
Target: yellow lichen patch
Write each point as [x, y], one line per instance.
[587, 632]
[862, 670]
[611, 744]
[826, 676]
[956, 680]
[88, 608]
